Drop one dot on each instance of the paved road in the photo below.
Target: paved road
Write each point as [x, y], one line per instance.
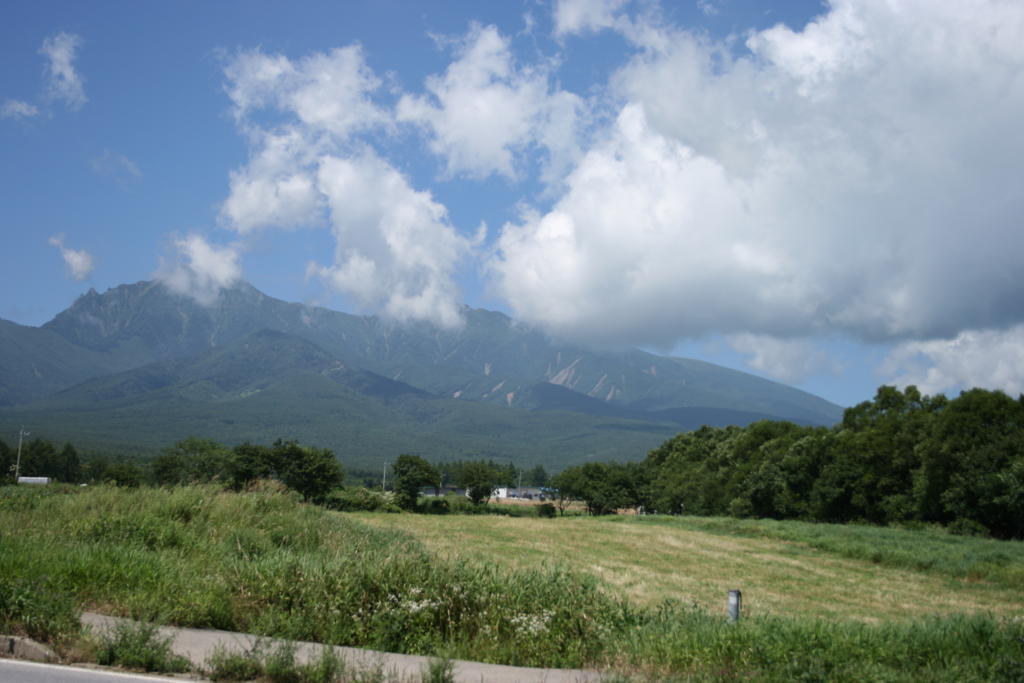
[17, 671]
[197, 645]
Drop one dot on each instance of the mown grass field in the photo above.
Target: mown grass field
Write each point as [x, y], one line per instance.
[783, 568]
[643, 598]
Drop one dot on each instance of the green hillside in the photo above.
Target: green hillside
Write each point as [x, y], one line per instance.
[137, 367]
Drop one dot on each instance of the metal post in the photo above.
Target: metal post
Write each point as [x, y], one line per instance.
[735, 603]
[17, 463]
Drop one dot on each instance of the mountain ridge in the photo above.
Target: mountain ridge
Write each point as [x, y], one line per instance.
[142, 339]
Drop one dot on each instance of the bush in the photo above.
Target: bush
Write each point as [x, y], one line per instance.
[360, 499]
[139, 646]
[968, 527]
[546, 510]
[435, 506]
[277, 666]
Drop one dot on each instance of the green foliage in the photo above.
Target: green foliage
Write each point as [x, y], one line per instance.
[604, 487]
[139, 646]
[360, 499]
[538, 476]
[680, 644]
[900, 458]
[479, 480]
[439, 671]
[224, 665]
[7, 458]
[277, 665]
[31, 607]
[411, 474]
[40, 458]
[124, 474]
[189, 461]
[310, 471]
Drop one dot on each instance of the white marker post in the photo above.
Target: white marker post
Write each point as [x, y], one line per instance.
[735, 604]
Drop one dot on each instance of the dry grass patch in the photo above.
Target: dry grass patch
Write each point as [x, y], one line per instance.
[649, 563]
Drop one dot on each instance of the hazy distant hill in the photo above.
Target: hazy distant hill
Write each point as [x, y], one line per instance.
[138, 365]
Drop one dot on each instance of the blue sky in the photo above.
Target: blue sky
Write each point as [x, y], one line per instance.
[827, 194]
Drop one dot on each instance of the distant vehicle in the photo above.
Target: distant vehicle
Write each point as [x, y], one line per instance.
[34, 480]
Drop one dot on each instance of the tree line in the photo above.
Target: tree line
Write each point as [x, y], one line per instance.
[899, 458]
[313, 472]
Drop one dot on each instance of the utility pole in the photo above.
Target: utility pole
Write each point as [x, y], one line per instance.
[384, 481]
[17, 463]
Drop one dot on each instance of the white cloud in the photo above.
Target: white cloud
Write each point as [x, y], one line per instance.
[489, 110]
[993, 359]
[321, 101]
[79, 262]
[708, 7]
[200, 269]
[395, 248]
[860, 176]
[117, 166]
[16, 109]
[328, 92]
[63, 82]
[787, 360]
[395, 252]
[582, 16]
[278, 186]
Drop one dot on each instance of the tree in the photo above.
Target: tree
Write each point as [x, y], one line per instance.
[313, 472]
[411, 474]
[538, 476]
[6, 463]
[249, 462]
[69, 467]
[123, 474]
[192, 460]
[603, 487]
[478, 478]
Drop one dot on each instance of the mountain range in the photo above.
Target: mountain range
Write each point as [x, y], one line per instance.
[138, 367]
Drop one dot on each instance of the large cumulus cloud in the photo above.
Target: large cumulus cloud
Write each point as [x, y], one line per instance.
[396, 252]
[859, 176]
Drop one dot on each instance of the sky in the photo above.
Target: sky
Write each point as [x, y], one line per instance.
[827, 194]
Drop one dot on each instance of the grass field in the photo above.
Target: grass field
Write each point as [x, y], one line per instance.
[643, 597]
[783, 568]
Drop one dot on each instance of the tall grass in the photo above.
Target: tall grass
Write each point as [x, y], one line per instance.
[264, 563]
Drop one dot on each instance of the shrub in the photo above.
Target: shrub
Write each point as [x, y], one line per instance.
[139, 646]
[360, 499]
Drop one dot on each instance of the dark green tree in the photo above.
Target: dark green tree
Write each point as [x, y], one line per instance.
[249, 462]
[538, 476]
[603, 487]
[411, 473]
[313, 472]
[6, 463]
[124, 474]
[479, 480]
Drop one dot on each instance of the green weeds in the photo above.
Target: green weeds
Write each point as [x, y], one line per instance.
[140, 647]
[32, 608]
